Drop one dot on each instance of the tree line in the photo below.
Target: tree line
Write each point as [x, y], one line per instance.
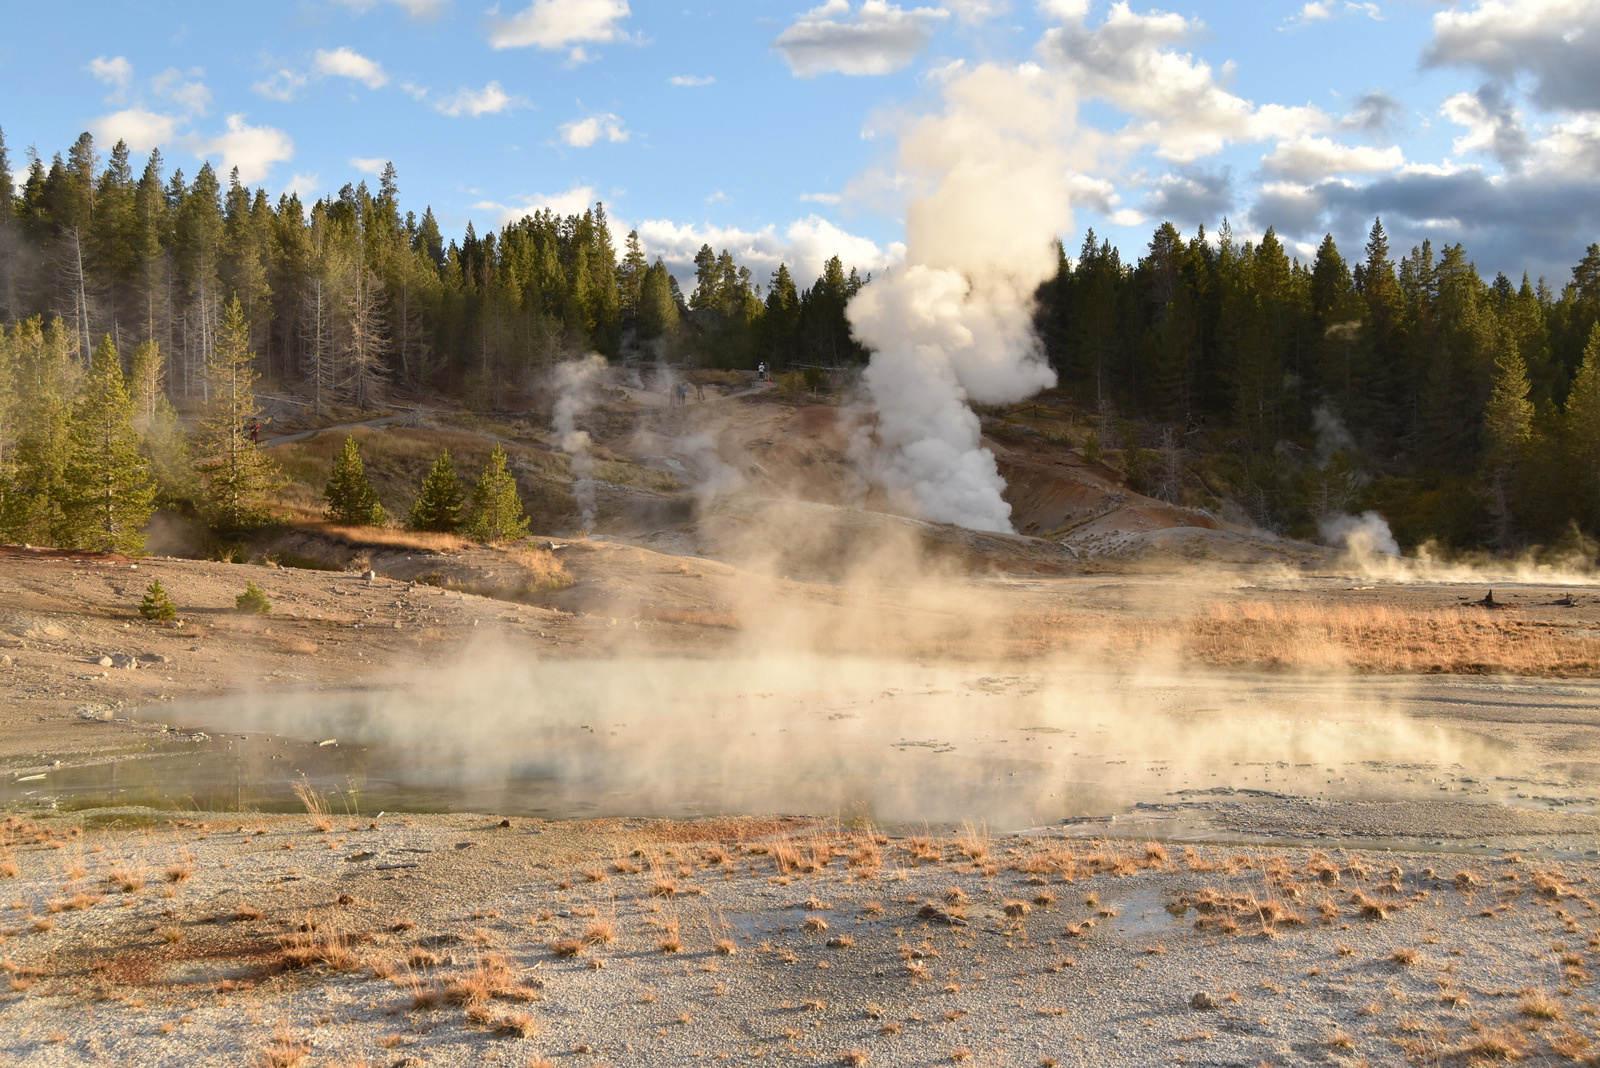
[1464, 410]
[346, 295]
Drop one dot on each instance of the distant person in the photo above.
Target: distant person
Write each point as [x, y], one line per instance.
[255, 432]
[683, 393]
[699, 390]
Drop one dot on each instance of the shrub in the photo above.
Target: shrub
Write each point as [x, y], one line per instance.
[438, 504]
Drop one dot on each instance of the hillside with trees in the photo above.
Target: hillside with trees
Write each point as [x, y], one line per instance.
[144, 310]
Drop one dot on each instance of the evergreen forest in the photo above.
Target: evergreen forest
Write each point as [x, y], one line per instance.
[1466, 410]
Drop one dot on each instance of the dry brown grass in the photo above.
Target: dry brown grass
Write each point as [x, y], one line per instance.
[1305, 635]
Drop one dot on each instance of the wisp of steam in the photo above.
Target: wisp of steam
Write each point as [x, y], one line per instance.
[575, 382]
[992, 173]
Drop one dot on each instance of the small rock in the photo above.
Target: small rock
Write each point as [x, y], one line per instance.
[505, 823]
[121, 660]
[104, 661]
[371, 576]
[6, 661]
[1203, 1002]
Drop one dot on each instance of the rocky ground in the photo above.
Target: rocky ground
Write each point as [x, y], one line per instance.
[137, 938]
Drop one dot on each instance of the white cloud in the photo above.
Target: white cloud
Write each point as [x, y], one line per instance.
[1322, 10]
[490, 100]
[255, 150]
[574, 201]
[281, 85]
[417, 9]
[116, 71]
[973, 12]
[304, 186]
[143, 130]
[805, 245]
[1308, 158]
[344, 62]
[1493, 125]
[829, 199]
[877, 38]
[192, 96]
[1175, 100]
[719, 197]
[690, 80]
[1555, 41]
[557, 24]
[372, 165]
[581, 133]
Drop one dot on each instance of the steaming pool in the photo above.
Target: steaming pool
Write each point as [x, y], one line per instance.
[897, 743]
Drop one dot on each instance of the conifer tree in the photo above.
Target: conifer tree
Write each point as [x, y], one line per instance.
[1508, 424]
[1583, 426]
[46, 378]
[438, 504]
[497, 513]
[350, 496]
[109, 495]
[156, 604]
[236, 475]
[253, 601]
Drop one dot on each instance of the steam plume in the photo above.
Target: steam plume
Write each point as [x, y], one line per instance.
[575, 381]
[1363, 537]
[991, 173]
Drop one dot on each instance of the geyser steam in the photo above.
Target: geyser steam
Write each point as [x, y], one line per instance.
[575, 382]
[991, 173]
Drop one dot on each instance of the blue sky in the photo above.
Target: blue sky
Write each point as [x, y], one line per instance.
[769, 127]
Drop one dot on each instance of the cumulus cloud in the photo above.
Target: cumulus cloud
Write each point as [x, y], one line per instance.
[1322, 10]
[344, 62]
[554, 25]
[1493, 125]
[255, 150]
[304, 186]
[690, 80]
[876, 38]
[574, 201]
[490, 100]
[116, 71]
[1376, 114]
[1307, 158]
[581, 133]
[1556, 43]
[369, 165]
[1176, 104]
[1191, 196]
[143, 130]
[187, 91]
[281, 85]
[973, 12]
[805, 245]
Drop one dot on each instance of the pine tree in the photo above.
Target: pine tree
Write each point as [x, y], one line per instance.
[1508, 425]
[253, 601]
[438, 504]
[109, 495]
[46, 378]
[236, 475]
[156, 604]
[1583, 426]
[350, 496]
[497, 513]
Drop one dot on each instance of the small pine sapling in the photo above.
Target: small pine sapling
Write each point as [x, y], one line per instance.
[253, 601]
[156, 604]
